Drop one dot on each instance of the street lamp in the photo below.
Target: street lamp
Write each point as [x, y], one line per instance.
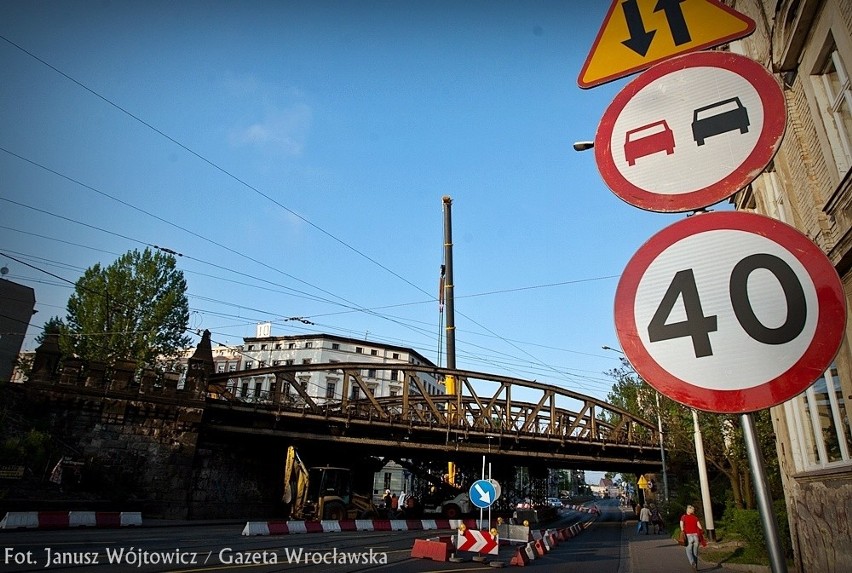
[659, 428]
[583, 145]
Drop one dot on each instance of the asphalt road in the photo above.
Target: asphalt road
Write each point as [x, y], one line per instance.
[221, 547]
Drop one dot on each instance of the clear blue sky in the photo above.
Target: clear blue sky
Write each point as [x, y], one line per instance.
[296, 152]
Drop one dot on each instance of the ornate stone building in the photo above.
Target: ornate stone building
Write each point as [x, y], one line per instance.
[807, 44]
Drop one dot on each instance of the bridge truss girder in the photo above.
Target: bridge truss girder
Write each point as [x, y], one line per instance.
[515, 419]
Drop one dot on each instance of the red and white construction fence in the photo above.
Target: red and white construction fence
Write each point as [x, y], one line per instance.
[64, 519]
[330, 526]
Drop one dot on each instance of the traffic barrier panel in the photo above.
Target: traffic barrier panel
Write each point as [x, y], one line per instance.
[278, 528]
[398, 525]
[364, 524]
[82, 519]
[313, 526]
[429, 524]
[52, 519]
[445, 524]
[348, 525]
[414, 524]
[381, 525]
[529, 549]
[256, 528]
[296, 527]
[131, 518]
[19, 519]
[554, 542]
[521, 558]
[540, 549]
[436, 549]
[108, 518]
[330, 526]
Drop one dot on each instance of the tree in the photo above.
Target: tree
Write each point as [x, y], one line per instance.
[134, 309]
[724, 448]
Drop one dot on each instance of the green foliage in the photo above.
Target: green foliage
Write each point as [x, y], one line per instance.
[135, 309]
[30, 449]
[747, 525]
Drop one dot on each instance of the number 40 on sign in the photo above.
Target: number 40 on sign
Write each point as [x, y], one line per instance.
[730, 312]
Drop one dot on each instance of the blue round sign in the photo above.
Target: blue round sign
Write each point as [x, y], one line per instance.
[482, 493]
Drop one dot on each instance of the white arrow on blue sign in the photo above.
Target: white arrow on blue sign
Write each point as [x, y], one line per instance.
[482, 493]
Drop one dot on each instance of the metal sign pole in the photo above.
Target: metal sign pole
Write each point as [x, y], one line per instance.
[764, 501]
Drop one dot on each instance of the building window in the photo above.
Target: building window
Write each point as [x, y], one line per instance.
[263, 346]
[232, 367]
[291, 346]
[258, 390]
[306, 360]
[394, 392]
[374, 352]
[248, 364]
[261, 364]
[330, 388]
[834, 94]
[335, 346]
[394, 375]
[819, 423]
[371, 373]
[220, 367]
[244, 389]
[359, 350]
[276, 362]
[273, 385]
[396, 355]
[356, 392]
[289, 362]
[309, 344]
[277, 346]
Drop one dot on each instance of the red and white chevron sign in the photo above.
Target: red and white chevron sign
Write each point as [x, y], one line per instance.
[477, 541]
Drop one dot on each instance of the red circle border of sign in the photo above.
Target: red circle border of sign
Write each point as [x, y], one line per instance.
[774, 125]
[814, 361]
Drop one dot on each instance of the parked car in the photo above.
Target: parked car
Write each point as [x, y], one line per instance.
[554, 502]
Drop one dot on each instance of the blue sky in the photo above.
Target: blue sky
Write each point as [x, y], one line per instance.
[296, 153]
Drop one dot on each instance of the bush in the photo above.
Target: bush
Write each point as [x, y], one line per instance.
[748, 526]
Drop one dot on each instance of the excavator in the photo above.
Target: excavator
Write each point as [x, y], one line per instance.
[322, 492]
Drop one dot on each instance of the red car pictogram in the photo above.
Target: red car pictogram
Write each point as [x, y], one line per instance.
[647, 140]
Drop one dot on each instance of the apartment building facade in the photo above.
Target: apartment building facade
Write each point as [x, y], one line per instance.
[265, 350]
[807, 44]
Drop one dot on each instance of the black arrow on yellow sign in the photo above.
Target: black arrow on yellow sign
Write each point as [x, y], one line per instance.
[640, 39]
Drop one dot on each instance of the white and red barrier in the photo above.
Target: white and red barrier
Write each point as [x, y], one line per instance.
[66, 519]
[333, 526]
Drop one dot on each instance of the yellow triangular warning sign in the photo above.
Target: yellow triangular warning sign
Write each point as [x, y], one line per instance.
[639, 33]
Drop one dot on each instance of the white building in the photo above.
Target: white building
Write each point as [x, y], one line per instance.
[265, 350]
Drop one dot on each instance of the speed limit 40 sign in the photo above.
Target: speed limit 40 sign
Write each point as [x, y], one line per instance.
[730, 312]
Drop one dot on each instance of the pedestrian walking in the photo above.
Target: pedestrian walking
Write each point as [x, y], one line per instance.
[644, 520]
[691, 527]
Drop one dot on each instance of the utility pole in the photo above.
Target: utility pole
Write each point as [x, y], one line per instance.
[452, 389]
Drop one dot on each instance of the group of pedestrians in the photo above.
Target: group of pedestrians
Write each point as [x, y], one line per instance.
[650, 519]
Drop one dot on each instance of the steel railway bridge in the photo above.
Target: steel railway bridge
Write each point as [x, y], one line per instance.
[512, 420]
